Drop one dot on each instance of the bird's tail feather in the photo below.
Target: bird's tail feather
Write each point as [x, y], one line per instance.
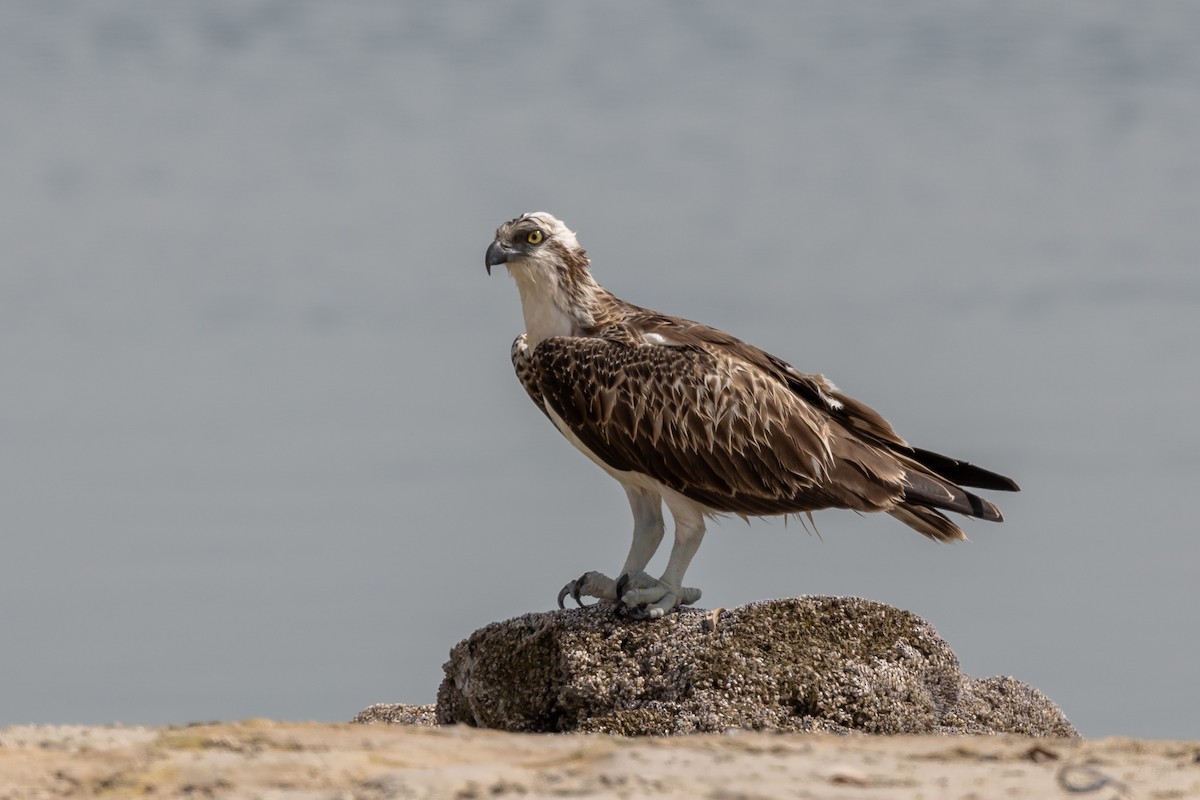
[928, 522]
[934, 491]
[961, 472]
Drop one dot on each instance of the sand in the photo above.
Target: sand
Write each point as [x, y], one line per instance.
[259, 758]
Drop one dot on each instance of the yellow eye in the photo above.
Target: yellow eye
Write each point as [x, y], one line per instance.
[534, 237]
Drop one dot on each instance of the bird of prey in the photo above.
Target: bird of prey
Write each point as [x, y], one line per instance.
[687, 415]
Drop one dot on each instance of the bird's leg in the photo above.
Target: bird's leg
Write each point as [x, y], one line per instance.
[649, 598]
[647, 535]
[648, 528]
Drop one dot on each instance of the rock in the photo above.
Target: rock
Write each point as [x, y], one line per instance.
[837, 664]
[397, 714]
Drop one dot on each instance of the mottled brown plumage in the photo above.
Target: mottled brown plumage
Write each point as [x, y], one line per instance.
[677, 409]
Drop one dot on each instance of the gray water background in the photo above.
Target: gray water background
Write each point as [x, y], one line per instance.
[261, 449]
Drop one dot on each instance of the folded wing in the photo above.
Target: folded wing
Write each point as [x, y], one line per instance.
[707, 424]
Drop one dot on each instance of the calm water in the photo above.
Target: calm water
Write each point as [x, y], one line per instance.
[261, 450]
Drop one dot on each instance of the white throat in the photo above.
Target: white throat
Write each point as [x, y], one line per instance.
[546, 306]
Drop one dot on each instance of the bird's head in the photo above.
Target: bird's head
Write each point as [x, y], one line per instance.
[535, 244]
[558, 294]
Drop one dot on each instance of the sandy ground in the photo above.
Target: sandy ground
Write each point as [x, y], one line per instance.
[267, 759]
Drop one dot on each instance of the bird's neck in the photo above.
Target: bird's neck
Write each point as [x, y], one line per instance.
[557, 305]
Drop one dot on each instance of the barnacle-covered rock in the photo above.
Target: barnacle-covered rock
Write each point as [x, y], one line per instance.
[837, 664]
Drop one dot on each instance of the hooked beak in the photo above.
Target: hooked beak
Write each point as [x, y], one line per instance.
[497, 253]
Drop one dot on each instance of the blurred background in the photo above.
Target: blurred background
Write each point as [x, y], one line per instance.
[261, 449]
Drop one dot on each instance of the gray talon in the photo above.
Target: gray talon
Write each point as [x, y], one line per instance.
[578, 585]
[622, 582]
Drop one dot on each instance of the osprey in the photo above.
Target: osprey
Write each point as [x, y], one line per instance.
[687, 415]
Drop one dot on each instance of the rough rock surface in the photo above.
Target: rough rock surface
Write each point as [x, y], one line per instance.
[397, 714]
[804, 664]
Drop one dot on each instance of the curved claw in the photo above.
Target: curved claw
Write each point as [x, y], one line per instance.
[578, 584]
[622, 582]
[572, 589]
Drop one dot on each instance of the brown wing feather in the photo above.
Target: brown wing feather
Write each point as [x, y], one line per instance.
[857, 418]
[707, 423]
[526, 372]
